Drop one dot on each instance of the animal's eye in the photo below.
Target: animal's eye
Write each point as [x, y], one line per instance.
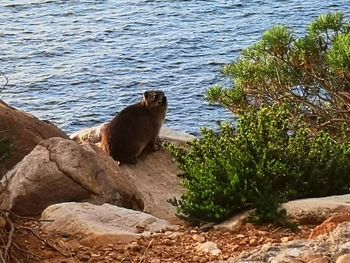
[155, 96]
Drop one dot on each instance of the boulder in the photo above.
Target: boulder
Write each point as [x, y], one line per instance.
[98, 225]
[155, 174]
[61, 170]
[24, 131]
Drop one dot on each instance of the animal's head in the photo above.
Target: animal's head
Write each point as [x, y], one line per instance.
[155, 99]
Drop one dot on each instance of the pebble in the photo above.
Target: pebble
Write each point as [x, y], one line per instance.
[2, 222]
[168, 242]
[317, 259]
[209, 247]
[195, 258]
[84, 257]
[175, 235]
[253, 242]
[198, 238]
[134, 246]
[168, 233]
[343, 258]
[284, 239]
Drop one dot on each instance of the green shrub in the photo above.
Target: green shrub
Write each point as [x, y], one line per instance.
[311, 72]
[268, 158]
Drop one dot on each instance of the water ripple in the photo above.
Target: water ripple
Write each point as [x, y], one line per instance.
[77, 63]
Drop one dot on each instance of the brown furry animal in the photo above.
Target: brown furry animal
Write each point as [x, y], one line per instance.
[135, 128]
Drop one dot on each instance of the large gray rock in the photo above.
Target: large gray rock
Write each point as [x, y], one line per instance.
[99, 224]
[60, 170]
[154, 176]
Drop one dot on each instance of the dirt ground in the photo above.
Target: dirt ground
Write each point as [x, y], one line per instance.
[30, 244]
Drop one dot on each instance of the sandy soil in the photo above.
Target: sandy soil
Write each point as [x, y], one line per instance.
[30, 244]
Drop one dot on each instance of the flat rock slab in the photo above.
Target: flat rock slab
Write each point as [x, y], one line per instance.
[316, 210]
[309, 210]
[103, 224]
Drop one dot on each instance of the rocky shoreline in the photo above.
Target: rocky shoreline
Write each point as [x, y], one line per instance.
[83, 195]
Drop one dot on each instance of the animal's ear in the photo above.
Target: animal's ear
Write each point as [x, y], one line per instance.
[145, 95]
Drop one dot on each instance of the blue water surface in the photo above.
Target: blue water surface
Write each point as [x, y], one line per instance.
[78, 63]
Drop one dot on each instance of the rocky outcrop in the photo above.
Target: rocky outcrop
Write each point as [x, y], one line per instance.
[60, 170]
[24, 131]
[99, 225]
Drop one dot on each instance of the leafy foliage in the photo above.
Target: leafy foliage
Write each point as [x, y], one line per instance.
[267, 159]
[311, 73]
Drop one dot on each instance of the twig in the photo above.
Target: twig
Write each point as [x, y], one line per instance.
[275, 230]
[144, 253]
[45, 241]
[2, 257]
[27, 217]
[26, 252]
[131, 261]
[9, 240]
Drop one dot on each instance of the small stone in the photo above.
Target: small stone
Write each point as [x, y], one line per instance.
[193, 231]
[209, 247]
[317, 259]
[343, 259]
[198, 238]
[286, 259]
[133, 246]
[235, 247]
[85, 257]
[168, 242]
[284, 239]
[240, 236]
[253, 242]
[140, 228]
[155, 260]
[168, 233]
[195, 258]
[175, 235]
[2, 222]
[263, 233]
